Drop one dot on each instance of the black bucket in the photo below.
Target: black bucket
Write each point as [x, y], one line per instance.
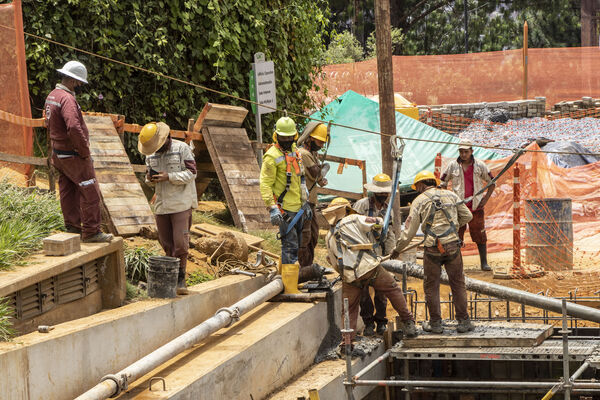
[549, 233]
[162, 276]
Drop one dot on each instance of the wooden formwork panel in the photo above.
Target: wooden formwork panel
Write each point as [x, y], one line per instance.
[124, 201]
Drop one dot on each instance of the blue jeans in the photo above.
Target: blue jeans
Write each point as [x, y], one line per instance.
[290, 242]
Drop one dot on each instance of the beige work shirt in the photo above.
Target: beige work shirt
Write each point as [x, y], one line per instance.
[309, 161]
[481, 176]
[345, 241]
[420, 209]
[366, 206]
[179, 192]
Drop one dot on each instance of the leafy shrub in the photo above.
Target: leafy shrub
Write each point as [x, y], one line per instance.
[6, 313]
[137, 260]
[197, 277]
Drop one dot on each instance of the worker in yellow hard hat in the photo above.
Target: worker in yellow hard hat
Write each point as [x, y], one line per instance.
[284, 192]
[440, 214]
[375, 205]
[312, 140]
[350, 249]
[171, 170]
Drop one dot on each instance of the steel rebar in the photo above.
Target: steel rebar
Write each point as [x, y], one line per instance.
[369, 367]
[502, 292]
[111, 385]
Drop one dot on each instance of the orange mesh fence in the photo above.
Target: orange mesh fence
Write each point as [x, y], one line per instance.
[557, 74]
[546, 233]
[14, 93]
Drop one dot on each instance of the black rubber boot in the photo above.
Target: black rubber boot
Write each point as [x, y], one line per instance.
[369, 329]
[381, 328]
[483, 257]
[181, 285]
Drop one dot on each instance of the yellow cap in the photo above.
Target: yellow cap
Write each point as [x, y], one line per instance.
[339, 200]
[320, 133]
[148, 132]
[423, 176]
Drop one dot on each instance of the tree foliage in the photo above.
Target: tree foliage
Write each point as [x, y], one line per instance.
[208, 42]
[343, 48]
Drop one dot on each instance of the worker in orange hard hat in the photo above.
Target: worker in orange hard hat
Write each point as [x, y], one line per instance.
[312, 140]
[172, 172]
[375, 205]
[440, 214]
[69, 137]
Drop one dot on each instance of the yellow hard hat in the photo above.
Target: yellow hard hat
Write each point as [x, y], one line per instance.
[381, 178]
[285, 126]
[339, 200]
[148, 132]
[152, 136]
[320, 133]
[423, 176]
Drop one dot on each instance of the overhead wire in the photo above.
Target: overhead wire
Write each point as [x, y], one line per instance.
[225, 94]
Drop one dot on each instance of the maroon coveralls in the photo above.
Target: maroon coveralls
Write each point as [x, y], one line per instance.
[79, 190]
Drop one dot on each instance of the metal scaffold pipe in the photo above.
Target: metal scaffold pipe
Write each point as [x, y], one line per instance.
[112, 385]
[502, 292]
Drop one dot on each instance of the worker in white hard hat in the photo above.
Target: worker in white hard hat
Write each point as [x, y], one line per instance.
[312, 140]
[375, 205]
[172, 173]
[468, 176]
[69, 137]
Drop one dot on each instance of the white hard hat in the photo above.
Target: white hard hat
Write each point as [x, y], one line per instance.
[76, 70]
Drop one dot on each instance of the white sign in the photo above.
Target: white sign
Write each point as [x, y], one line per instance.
[264, 73]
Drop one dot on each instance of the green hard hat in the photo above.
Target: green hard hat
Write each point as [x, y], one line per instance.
[285, 126]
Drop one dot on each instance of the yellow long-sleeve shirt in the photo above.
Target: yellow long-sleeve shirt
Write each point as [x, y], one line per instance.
[273, 180]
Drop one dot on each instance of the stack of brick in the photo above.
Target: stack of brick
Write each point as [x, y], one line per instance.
[577, 105]
[515, 109]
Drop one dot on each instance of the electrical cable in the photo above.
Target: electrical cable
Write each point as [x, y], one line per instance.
[196, 85]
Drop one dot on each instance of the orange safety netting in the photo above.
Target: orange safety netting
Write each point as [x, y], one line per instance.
[541, 179]
[14, 93]
[557, 74]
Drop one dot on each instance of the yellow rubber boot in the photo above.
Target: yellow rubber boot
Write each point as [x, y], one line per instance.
[289, 275]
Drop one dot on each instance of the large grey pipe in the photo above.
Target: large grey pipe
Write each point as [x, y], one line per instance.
[502, 292]
[111, 385]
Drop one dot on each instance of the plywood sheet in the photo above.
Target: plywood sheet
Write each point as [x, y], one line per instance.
[239, 174]
[124, 200]
[486, 334]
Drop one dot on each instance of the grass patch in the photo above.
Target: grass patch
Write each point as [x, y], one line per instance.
[221, 217]
[137, 260]
[197, 277]
[135, 293]
[6, 326]
[26, 217]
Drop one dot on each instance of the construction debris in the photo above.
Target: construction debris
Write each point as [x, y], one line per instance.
[224, 246]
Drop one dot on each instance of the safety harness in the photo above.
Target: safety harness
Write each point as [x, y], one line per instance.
[437, 204]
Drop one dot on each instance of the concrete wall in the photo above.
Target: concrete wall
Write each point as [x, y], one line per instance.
[74, 356]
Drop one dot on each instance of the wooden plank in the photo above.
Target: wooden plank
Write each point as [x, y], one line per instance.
[340, 193]
[14, 158]
[125, 204]
[238, 191]
[220, 115]
[486, 334]
[209, 229]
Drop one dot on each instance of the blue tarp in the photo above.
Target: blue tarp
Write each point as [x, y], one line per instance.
[352, 109]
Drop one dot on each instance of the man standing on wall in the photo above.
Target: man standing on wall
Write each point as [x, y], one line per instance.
[468, 176]
[69, 137]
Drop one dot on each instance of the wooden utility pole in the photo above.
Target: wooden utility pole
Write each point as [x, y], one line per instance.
[385, 79]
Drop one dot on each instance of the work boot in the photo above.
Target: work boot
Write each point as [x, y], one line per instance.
[99, 237]
[310, 273]
[289, 276]
[409, 329]
[181, 283]
[483, 257]
[73, 229]
[381, 328]
[464, 325]
[433, 326]
[369, 329]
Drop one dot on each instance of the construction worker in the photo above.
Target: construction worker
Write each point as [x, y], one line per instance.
[468, 176]
[172, 172]
[312, 140]
[284, 192]
[352, 251]
[375, 205]
[440, 214]
[69, 137]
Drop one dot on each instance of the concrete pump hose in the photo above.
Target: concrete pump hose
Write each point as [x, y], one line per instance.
[502, 292]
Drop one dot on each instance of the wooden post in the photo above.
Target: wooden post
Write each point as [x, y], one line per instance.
[525, 60]
[385, 79]
[437, 169]
[190, 128]
[516, 221]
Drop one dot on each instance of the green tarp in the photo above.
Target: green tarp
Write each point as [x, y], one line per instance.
[352, 109]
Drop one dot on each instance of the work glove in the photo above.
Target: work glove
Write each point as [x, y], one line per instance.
[276, 217]
[325, 169]
[308, 214]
